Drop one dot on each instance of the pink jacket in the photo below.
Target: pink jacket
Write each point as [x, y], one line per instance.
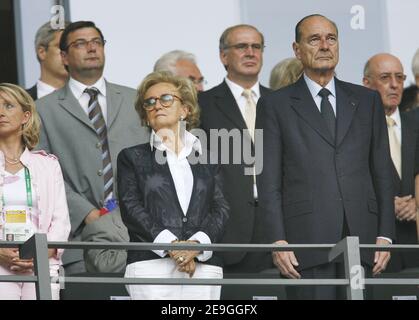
[48, 183]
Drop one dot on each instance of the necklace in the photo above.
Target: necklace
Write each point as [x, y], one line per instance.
[13, 162]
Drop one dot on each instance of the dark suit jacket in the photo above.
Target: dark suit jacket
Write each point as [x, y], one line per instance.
[33, 92]
[406, 231]
[310, 183]
[149, 203]
[219, 110]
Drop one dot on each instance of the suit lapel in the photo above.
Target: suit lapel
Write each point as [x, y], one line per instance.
[304, 105]
[346, 105]
[67, 101]
[114, 102]
[226, 103]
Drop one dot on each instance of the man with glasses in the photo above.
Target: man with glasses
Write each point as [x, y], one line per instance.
[86, 124]
[384, 73]
[53, 74]
[326, 165]
[183, 64]
[232, 105]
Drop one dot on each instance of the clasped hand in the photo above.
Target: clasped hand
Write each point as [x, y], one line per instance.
[185, 258]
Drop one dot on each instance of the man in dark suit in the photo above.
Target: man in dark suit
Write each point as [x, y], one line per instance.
[53, 74]
[86, 124]
[384, 73]
[326, 164]
[229, 106]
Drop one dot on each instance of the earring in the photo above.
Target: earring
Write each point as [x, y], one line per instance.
[181, 118]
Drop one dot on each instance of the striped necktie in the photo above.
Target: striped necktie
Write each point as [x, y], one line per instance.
[98, 121]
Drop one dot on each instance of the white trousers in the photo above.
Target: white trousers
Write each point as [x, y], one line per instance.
[167, 268]
[25, 290]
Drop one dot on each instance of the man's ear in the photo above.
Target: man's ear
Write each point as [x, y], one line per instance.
[296, 48]
[41, 52]
[64, 58]
[223, 58]
[366, 82]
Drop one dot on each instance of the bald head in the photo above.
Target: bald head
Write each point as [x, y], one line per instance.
[384, 72]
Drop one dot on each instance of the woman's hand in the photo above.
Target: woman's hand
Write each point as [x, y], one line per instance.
[185, 258]
[9, 258]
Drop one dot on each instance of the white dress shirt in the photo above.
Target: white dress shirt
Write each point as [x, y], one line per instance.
[181, 172]
[77, 88]
[398, 124]
[315, 88]
[43, 89]
[237, 92]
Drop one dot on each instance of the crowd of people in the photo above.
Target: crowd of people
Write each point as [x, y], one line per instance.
[83, 159]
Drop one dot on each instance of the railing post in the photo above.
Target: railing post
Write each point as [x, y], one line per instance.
[37, 248]
[349, 247]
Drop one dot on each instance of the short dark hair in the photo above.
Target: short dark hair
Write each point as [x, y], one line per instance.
[75, 26]
[298, 26]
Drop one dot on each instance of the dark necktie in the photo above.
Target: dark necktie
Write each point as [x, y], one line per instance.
[326, 110]
[96, 117]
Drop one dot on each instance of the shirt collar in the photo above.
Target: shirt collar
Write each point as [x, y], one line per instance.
[45, 87]
[191, 143]
[237, 90]
[396, 117]
[78, 88]
[314, 87]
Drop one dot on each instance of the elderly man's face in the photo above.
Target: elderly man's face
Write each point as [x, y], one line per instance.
[318, 49]
[387, 77]
[190, 70]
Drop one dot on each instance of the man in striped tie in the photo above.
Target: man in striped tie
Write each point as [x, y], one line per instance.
[86, 124]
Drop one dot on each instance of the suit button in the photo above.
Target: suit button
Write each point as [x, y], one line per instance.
[100, 173]
[185, 219]
[98, 145]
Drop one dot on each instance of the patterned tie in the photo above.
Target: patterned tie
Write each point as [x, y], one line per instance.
[327, 112]
[249, 112]
[395, 148]
[98, 121]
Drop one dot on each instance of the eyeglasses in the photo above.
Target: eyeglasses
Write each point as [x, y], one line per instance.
[198, 81]
[166, 100]
[83, 44]
[242, 47]
[387, 77]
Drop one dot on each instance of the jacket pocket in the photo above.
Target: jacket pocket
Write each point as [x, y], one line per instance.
[297, 208]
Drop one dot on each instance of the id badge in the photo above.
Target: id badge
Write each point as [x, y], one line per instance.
[17, 223]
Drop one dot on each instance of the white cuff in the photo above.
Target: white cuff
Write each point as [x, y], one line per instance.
[202, 238]
[385, 238]
[164, 237]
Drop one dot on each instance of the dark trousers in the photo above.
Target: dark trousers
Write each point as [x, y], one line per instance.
[333, 270]
[249, 267]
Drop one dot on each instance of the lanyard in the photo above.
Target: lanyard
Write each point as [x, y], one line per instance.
[28, 189]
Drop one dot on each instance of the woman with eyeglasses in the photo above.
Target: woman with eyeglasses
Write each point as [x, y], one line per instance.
[32, 194]
[169, 192]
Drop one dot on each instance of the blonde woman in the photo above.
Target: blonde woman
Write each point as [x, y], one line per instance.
[286, 72]
[32, 195]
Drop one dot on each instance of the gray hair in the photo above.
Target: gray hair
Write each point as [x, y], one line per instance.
[167, 62]
[223, 44]
[415, 64]
[45, 35]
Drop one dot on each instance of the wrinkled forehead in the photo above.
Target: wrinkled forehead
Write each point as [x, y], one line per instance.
[317, 25]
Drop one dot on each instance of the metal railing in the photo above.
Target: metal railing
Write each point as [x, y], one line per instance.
[37, 248]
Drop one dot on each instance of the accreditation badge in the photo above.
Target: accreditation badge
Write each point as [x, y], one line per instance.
[17, 223]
